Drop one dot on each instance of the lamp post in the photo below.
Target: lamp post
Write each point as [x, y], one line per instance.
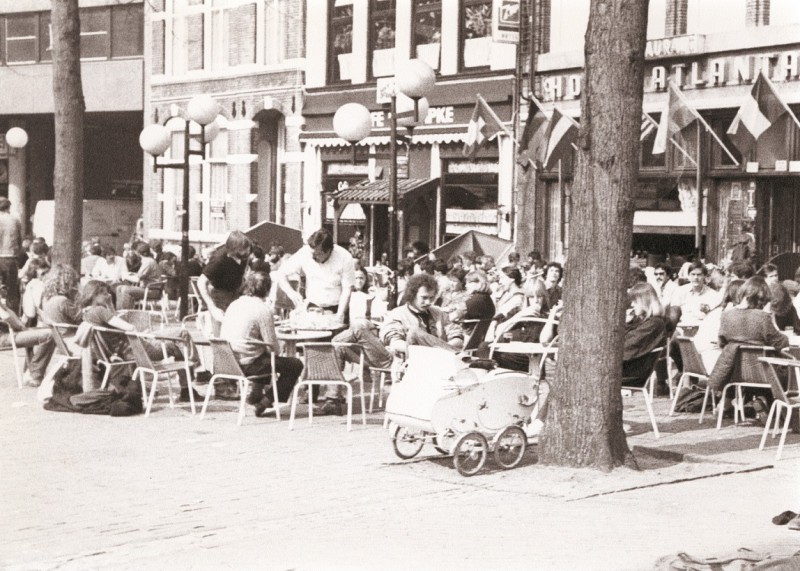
[155, 140]
[17, 139]
[352, 122]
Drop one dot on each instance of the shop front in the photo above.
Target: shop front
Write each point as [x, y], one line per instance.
[441, 193]
[752, 196]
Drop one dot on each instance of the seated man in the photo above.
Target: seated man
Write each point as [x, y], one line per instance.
[148, 272]
[251, 317]
[35, 341]
[418, 321]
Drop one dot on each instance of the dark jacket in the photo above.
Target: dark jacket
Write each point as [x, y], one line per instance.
[479, 306]
[642, 336]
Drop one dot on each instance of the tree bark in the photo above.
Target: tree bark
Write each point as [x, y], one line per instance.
[69, 109]
[584, 419]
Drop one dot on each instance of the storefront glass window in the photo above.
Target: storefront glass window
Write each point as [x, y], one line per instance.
[476, 33]
[470, 197]
[719, 158]
[428, 31]
[382, 36]
[341, 37]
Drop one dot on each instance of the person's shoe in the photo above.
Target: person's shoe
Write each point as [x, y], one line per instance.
[185, 395]
[794, 525]
[760, 407]
[330, 407]
[784, 517]
[255, 396]
[29, 381]
[262, 405]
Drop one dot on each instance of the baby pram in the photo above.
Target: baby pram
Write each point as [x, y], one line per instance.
[462, 411]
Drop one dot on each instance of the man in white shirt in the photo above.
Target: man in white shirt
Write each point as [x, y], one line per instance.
[110, 267]
[695, 299]
[663, 284]
[329, 271]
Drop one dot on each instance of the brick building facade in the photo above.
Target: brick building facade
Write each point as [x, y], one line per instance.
[248, 55]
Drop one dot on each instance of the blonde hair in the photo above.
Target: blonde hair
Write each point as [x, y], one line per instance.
[646, 297]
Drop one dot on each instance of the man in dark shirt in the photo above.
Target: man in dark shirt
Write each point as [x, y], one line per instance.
[222, 277]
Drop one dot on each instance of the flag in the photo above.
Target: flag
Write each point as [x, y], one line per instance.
[648, 125]
[676, 117]
[483, 126]
[534, 141]
[761, 109]
[561, 133]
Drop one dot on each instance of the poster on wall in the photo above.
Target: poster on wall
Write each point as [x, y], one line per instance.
[506, 20]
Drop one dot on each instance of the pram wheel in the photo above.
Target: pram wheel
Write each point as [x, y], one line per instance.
[470, 452]
[509, 446]
[407, 443]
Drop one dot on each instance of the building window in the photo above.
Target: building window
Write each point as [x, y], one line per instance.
[46, 43]
[341, 38]
[22, 38]
[275, 40]
[95, 28]
[127, 30]
[234, 34]
[428, 31]
[382, 36]
[476, 33]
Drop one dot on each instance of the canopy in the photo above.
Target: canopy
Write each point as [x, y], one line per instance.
[478, 242]
[268, 233]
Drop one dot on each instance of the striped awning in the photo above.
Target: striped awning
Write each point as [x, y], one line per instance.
[377, 192]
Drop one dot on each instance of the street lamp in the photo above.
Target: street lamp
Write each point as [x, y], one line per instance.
[352, 122]
[155, 139]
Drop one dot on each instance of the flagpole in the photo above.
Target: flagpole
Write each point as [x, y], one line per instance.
[671, 139]
[699, 117]
[698, 235]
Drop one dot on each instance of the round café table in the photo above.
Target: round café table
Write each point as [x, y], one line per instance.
[290, 338]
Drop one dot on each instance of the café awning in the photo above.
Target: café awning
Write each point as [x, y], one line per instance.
[377, 192]
[665, 222]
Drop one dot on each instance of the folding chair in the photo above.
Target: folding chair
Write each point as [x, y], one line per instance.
[194, 295]
[63, 353]
[103, 338]
[226, 366]
[693, 367]
[154, 293]
[145, 366]
[322, 368]
[648, 389]
[788, 400]
[17, 369]
[747, 372]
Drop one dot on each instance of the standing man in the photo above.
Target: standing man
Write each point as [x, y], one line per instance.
[10, 240]
[222, 276]
[329, 271]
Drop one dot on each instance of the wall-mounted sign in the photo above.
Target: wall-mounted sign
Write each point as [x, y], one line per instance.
[402, 166]
[698, 73]
[347, 169]
[782, 165]
[436, 116]
[473, 167]
[674, 46]
[505, 21]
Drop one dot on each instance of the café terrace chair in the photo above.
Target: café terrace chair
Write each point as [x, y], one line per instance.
[788, 400]
[227, 367]
[145, 367]
[322, 368]
[747, 373]
[693, 368]
[104, 340]
[154, 293]
[648, 389]
[17, 369]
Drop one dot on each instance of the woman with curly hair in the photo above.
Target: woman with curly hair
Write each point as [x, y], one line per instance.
[60, 294]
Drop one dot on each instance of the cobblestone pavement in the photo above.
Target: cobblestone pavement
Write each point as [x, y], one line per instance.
[171, 491]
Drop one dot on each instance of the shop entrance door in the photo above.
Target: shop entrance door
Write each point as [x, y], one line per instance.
[784, 220]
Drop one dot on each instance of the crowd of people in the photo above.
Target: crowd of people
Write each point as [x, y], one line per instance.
[242, 286]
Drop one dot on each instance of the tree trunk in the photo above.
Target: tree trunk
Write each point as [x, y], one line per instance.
[69, 108]
[584, 419]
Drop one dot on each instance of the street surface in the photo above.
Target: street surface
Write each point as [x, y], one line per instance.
[86, 492]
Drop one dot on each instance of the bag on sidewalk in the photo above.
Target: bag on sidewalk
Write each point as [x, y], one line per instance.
[690, 400]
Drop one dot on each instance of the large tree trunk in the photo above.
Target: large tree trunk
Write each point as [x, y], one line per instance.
[69, 108]
[584, 420]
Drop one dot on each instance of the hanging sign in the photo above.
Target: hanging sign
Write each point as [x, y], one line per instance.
[505, 21]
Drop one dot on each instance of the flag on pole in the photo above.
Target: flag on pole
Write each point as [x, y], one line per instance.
[561, 134]
[648, 126]
[760, 110]
[534, 137]
[483, 126]
[676, 117]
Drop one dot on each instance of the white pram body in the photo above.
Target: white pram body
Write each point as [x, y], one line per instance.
[462, 411]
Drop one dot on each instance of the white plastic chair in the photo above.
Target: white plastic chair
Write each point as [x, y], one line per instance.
[788, 400]
[693, 367]
[648, 389]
